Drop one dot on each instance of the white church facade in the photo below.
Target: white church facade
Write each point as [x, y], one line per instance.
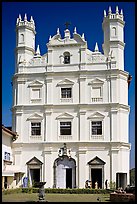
[70, 107]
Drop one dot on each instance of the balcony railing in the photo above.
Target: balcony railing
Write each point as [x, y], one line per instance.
[65, 137]
[66, 100]
[97, 137]
[97, 99]
[36, 138]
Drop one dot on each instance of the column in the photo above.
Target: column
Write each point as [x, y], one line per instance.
[48, 125]
[20, 94]
[49, 91]
[82, 89]
[83, 58]
[50, 60]
[82, 125]
[81, 168]
[19, 125]
[48, 168]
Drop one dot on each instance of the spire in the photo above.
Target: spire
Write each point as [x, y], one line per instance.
[83, 37]
[49, 37]
[104, 13]
[25, 17]
[38, 50]
[109, 11]
[121, 13]
[31, 19]
[117, 11]
[58, 33]
[17, 21]
[75, 31]
[96, 48]
[19, 17]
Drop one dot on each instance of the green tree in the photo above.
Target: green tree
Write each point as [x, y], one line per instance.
[132, 177]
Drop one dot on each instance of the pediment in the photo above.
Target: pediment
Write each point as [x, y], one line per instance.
[35, 83]
[65, 82]
[96, 81]
[96, 115]
[35, 116]
[34, 161]
[96, 161]
[65, 116]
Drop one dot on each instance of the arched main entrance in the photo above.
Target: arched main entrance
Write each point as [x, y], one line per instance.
[64, 172]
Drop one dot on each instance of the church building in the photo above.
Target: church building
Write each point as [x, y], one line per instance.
[70, 107]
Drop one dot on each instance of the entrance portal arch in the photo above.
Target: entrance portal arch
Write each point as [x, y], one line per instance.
[64, 172]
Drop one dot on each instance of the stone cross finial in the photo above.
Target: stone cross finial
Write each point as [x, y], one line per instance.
[67, 24]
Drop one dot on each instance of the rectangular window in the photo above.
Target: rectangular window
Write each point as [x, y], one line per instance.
[35, 128]
[96, 92]
[35, 93]
[65, 128]
[7, 156]
[66, 93]
[96, 127]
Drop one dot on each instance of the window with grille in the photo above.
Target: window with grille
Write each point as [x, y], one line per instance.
[35, 128]
[96, 127]
[66, 93]
[65, 128]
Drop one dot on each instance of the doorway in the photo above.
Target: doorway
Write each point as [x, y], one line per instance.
[35, 175]
[69, 178]
[121, 180]
[5, 182]
[96, 175]
[64, 172]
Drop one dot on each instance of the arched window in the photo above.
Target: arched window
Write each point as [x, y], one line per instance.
[114, 32]
[66, 58]
[21, 38]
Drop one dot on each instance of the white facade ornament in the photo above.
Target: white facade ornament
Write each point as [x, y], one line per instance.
[38, 50]
[104, 13]
[75, 31]
[49, 37]
[109, 11]
[58, 31]
[121, 13]
[83, 37]
[25, 17]
[117, 11]
[96, 48]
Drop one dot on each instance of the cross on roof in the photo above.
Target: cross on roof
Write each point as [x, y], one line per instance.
[67, 24]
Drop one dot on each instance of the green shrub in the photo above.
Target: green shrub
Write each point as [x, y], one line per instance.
[78, 191]
[9, 191]
[59, 190]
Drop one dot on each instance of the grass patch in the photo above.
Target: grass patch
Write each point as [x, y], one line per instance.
[50, 197]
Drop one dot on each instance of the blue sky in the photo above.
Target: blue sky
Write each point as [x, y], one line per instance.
[87, 17]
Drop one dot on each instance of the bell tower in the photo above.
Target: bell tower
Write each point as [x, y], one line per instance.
[113, 27]
[25, 40]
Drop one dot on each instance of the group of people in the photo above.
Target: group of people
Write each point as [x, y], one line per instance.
[88, 184]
